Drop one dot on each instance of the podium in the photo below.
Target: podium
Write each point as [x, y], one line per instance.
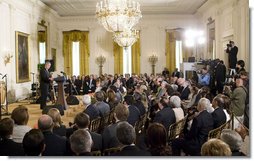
[60, 99]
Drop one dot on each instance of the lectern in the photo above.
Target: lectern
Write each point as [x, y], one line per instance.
[60, 99]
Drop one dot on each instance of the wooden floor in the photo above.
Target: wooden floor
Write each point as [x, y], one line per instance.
[35, 112]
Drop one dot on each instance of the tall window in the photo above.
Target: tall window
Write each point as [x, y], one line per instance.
[127, 60]
[75, 58]
[42, 48]
[179, 54]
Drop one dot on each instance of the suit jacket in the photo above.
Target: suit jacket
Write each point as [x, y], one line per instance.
[185, 93]
[92, 112]
[109, 136]
[102, 107]
[140, 107]
[232, 57]
[9, 148]
[199, 130]
[166, 117]
[55, 145]
[134, 115]
[219, 117]
[220, 73]
[132, 150]
[60, 131]
[91, 85]
[44, 79]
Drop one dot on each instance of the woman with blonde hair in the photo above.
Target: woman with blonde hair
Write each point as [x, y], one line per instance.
[215, 147]
[58, 128]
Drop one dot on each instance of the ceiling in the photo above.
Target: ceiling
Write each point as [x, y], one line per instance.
[87, 7]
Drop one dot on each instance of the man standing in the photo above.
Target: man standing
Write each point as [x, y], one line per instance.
[44, 83]
[232, 51]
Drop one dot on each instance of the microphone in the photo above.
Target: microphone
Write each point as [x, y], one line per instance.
[4, 76]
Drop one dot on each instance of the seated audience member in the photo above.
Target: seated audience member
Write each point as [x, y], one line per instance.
[100, 105]
[197, 136]
[126, 135]
[194, 93]
[234, 140]
[226, 106]
[111, 99]
[134, 113]
[215, 147]
[175, 101]
[55, 145]
[90, 109]
[7, 146]
[162, 89]
[219, 116]
[138, 103]
[81, 143]
[183, 88]
[165, 115]
[204, 77]
[58, 128]
[34, 143]
[82, 121]
[20, 116]
[109, 137]
[157, 140]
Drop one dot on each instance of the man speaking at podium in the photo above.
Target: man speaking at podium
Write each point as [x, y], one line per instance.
[44, 83]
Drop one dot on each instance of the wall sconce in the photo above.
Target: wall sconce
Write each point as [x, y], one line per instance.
[7, 58]
[153, 60]
[100, 60]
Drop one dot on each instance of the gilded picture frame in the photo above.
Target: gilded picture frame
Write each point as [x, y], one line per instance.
[22, 57]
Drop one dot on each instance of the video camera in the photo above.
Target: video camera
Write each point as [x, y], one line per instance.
[229, 44]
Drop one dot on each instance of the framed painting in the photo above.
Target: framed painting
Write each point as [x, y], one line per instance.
[22, 57]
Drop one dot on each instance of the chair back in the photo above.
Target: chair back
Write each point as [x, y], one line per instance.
[95, 125]
[111, 151]
[96, 153]
[176, 129]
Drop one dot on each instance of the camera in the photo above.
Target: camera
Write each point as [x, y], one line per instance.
[229, 45]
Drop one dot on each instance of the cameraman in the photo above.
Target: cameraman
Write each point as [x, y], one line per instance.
[204, 77]
[232, 50]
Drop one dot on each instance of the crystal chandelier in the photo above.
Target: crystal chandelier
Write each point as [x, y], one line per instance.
[118, 15]
[126, 38]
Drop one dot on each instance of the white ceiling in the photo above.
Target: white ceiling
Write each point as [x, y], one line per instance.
[87, 7]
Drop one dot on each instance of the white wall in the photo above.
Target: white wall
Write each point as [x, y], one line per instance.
[23, 16]
[153, 37]
[231, 23]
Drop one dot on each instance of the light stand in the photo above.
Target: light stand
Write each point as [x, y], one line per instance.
[153, 60]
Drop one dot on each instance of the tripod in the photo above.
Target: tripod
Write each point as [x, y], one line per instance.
[34, 88]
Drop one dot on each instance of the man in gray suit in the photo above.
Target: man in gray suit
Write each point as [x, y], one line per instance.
[100, 105]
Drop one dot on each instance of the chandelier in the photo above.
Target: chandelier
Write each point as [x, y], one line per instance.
[126, 38]
[118, 15]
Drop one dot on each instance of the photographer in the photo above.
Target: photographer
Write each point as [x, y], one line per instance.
[232, 50]
[204, 77]
[220, 75]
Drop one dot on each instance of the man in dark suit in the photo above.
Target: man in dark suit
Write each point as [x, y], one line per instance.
[7, 146]
[232, 51]
[91, 84]
[183, 89]
[90, 110]
[220, 75]
[197, 136]
[82, 121]
[134, 113]
[165, 115]
[110, 140]
[126, 135]
[219, 116]
[55, 145]
[44, 83]
[81, 143]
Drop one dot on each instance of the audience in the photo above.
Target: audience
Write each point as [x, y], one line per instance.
[234, 140]
[55, 145]
[58, 128]
[81, 143]
[219, 116]
[20, 116]
[215, 147]
[175, 101]
[7, 146]
[126, 135]
[157, 140]
[100, 105]
[134, 113]
[90, 109]
[34, 143]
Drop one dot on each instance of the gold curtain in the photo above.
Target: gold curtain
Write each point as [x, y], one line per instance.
[84, 53]
[135, 59]
[170, 51]
[118, 58]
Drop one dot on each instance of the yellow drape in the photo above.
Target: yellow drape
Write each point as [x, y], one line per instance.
[170, 51]
[118, 58]
[135, 59]
[41, 36]
[84, 53]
